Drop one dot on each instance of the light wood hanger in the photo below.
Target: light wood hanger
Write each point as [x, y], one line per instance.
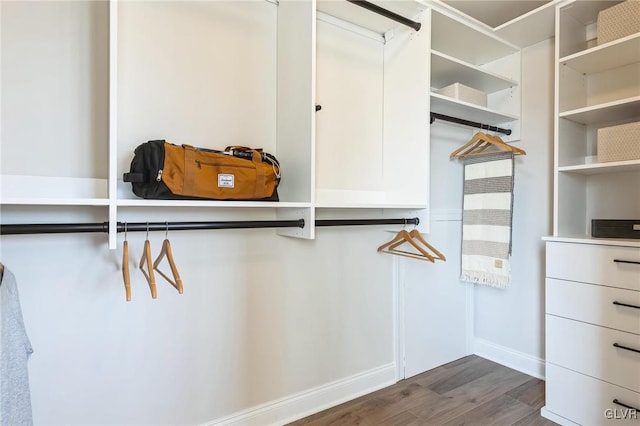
[166, 252]
[405, 237]
[125, 265]
[416, 235]
[148, 274]
[480, 142]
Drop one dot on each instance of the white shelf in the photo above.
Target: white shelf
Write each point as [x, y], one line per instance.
[465, 110]
[530, 28]
[364, 18]
[353, 199]
[611, 55]
[20, 201]
[611, 111]
[466, 43]
[583, 239]
[52, 191]
[329, 205]
[209, 203]
[599, 168]
[446, 70]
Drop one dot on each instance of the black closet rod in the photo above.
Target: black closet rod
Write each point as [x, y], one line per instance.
[436, 116]
[387, 13]
[69, 228]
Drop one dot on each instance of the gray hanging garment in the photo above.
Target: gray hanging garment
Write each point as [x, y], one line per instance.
[15, 349]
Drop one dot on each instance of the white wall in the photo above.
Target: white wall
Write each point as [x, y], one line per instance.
[514, 318]
[262, 317]
[508, 324]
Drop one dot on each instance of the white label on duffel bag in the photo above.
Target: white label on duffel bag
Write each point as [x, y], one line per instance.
[226, 181]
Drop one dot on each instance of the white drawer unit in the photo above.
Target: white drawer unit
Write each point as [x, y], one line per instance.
[613, 266]
[595, 304]
[587, 401]
[592, 333]
[603, 353]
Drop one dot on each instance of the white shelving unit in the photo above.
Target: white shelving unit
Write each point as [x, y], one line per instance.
[109, 80]
[479, 59]
[596, 86]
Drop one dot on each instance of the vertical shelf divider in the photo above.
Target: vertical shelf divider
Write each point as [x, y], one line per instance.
[113, 123]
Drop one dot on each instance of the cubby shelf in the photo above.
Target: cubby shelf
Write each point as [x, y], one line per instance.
[446, 70]
[599, 168]
[471, 45]
[611, 55]
[450, 106]
[621, 109]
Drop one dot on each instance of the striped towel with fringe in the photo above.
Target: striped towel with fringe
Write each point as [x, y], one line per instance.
[486, 219]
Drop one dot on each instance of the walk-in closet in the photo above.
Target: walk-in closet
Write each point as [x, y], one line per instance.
[266, 212]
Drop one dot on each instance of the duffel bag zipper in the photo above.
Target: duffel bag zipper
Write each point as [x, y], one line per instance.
[202, 163]
[159, 177]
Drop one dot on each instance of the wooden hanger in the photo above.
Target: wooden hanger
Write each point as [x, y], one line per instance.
[405, 237]
[148, 274]
[416, 235]
[166, 252]
[480, 142]
[125, 265]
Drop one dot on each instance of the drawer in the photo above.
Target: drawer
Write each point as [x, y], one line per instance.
[596, 264]
[590, 350]
[588, 401]
[607, 306]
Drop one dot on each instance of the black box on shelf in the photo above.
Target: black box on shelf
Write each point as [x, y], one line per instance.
[613, 228]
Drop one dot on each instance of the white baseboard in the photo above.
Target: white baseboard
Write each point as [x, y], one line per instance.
[309, 402]
[525, 363]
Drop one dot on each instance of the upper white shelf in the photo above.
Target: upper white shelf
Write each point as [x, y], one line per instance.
[139, 202]
[530, 28]
[353, 199]
[599, 168]
[611, 55]
[52, 191]
[446, 70]
[466, 43]
[364, 18]
[611, 111]
[465, 110]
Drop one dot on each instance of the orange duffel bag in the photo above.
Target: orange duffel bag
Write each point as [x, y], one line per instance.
[162, 170]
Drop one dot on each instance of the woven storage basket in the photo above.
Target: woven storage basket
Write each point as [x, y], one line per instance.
[619, 21]
[464, 93]
[619, 143]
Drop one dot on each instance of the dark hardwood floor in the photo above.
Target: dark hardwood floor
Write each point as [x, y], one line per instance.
[469, 391]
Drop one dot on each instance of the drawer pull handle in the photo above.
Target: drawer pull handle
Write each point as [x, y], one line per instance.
[622, 404]
[626, 348]
[626, 304]
[634, 262]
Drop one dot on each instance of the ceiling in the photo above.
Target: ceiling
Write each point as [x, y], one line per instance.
[495, 12]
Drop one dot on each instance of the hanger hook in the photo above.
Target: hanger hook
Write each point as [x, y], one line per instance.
[147, 230]
[166, 232]
[125, 231]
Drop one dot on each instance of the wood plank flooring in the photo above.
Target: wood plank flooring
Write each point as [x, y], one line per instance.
[469, 391]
